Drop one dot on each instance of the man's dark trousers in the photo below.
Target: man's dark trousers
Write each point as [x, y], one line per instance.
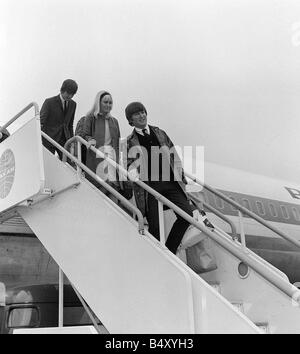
[173, 192]
[53, 148]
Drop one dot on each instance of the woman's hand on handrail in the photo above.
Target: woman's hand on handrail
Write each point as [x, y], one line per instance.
[133, 174]
[91, 143]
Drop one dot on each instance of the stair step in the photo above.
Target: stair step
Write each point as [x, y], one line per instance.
[239, 306]
[264, 327]
[216, 286]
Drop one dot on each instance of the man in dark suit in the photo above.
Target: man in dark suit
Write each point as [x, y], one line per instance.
[151, 155]
[57, 116]
[164, 174]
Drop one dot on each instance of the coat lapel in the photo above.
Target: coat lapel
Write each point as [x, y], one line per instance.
[59, 103]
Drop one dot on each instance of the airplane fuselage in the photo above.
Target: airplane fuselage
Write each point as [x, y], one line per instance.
[276, 201]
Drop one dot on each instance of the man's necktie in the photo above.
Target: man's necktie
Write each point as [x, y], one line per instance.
[65, 107]
[145, 132]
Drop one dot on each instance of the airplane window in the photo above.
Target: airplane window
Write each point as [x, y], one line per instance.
[260, 208]
[273, 210]
[284, 211]
[296, 214]
[219, 202]
[246, 203]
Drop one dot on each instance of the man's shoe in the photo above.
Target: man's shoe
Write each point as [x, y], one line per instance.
[206, 222]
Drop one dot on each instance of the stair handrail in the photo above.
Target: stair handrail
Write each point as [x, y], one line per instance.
[110, 189]
[243, 210]
[290, 290]
[18, 115]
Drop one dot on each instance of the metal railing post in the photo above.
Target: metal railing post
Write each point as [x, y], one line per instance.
[161, 222]
[60, 298]
[242, 231]
[79, 171]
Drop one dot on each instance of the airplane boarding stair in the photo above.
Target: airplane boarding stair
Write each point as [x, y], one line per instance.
[131, 281]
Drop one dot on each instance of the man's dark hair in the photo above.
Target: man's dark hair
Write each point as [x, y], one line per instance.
[132, 108]
[69, 86]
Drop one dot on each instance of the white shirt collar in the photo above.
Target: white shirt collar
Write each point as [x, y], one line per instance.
[62, 100]
[140, 131]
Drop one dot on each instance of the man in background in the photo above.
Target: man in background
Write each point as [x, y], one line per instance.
[57, 116]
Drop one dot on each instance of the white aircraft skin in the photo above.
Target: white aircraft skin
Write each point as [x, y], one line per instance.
[276, 201]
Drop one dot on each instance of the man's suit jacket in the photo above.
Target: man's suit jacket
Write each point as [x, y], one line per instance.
[53, 121]
[134, 158]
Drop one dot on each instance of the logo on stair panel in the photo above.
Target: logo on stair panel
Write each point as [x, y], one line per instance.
[7, 172]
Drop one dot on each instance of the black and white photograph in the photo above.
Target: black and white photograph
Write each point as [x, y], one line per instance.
[149, 171]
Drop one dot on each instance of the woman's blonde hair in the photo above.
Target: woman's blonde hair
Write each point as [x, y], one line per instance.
[95, 110]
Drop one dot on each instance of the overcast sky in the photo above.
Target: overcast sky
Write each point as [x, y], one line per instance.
[224, 74]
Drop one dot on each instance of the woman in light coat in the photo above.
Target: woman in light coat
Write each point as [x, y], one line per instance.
[102, 131]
